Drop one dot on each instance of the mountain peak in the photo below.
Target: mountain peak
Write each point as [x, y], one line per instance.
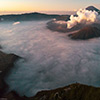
[92, 8]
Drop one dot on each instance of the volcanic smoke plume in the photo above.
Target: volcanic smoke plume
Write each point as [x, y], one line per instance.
[82, 18]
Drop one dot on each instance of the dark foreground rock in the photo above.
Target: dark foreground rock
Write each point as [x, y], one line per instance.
[72, 92]
[13, 96]
[86, 33]
[6, 62]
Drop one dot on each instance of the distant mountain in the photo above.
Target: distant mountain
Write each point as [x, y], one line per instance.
[92, 8]
[30, 16]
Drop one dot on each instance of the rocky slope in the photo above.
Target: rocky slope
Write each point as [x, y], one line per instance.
[86, 33]
[72, 92]
[6, 62]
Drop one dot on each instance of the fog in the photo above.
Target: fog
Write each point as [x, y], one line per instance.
[50, 59]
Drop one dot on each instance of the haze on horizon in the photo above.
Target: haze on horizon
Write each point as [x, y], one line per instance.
[17, 6]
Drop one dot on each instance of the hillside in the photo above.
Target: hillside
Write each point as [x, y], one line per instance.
[72, 92]
[86, 33]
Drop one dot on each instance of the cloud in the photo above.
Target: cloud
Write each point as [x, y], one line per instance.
[15, 23]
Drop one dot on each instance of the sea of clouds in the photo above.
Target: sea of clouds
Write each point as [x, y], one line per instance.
[50, 59]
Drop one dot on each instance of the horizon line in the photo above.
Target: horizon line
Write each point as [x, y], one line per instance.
[45, 12]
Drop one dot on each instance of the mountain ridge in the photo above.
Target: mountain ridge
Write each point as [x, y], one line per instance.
[30, 16]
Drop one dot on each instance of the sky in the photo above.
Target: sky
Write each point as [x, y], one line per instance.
[45, 5]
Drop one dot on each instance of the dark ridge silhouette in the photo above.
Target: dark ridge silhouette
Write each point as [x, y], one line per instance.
[92, 8]
[31, 16]
[86, 33]
[75, 91]
[6, 63]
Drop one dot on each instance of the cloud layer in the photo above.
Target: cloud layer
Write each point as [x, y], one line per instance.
[51, 59]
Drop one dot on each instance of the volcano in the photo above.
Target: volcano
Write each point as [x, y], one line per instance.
[86, 33]
[92, 8]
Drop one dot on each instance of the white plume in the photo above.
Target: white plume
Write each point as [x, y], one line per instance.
[83, 16]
